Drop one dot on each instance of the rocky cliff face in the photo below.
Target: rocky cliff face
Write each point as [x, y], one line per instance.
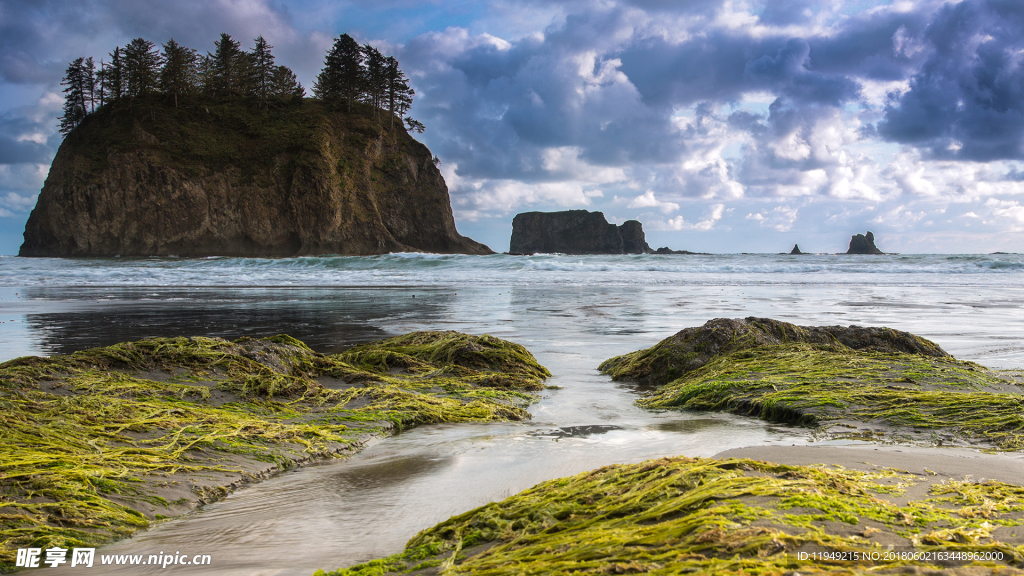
[226, 180]
[863, 244]
[575, 232]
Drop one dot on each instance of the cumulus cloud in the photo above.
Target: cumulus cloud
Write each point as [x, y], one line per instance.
[707, 221]
[967, 99]
[647, 200]
[13, 204]
[1010, 209]
[780, 218]
[846, 112]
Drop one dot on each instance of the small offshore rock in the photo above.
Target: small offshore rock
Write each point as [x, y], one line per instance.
[863, 244]
[796, 249]
[575, 232]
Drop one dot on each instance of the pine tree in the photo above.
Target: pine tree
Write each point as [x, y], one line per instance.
[414, 125]
[89, 83]
[74, 96]
[206, 75]
[101, 84]
[284, 83]
[178, 77]
[227, 63]
[142, 63]
[375, 85]
[263, 69]
[114, 76]
[343, 75]
[399, 94]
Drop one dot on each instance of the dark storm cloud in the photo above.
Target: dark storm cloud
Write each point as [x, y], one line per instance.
[498, 107]
[39, 37]
[606, 81]
[967, 100]
[723, 64]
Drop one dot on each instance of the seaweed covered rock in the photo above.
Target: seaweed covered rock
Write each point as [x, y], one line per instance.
[692, 348]
[89, 440]
[226, 179]
[726, 516]
[867, 383]
[575, 232]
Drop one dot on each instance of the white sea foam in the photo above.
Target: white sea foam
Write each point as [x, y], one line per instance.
[439, 269]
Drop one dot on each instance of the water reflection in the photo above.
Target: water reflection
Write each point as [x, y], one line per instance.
[335, 515]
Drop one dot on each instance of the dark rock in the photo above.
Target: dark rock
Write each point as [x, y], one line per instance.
[667, 250]
[692, 348]
[575, 232]
[633, 241]
[796, 249]
[863, 244]
[301, 179]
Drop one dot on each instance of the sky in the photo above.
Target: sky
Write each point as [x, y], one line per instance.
[721, 125]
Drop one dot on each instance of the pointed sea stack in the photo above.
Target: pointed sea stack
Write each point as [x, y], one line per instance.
[795, 250]
[863, 244]
[575, 232]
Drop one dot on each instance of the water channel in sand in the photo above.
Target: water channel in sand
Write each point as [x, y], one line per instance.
[339, 513]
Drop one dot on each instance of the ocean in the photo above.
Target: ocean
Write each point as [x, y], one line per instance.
[572, 312]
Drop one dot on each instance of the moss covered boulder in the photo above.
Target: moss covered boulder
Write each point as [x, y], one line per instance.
[733, 516]
[854, 381]
[97, 444]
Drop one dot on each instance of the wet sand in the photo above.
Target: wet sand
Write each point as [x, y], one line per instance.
[931, 465]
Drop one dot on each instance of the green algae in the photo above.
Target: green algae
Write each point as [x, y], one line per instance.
[802, 381]
[692, 348]
[83, 437]
[705, 516]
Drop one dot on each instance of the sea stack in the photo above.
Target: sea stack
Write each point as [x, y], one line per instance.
[795, 250]
[228, 179]
[575, 232]
[863, 244]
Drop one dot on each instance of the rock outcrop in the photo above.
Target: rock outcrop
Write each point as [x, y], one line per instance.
[691, 348]
[863, 244]
[225, 179]
[795, 250]
[575, 232]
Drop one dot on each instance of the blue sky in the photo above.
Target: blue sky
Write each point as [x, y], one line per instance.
[722, 125]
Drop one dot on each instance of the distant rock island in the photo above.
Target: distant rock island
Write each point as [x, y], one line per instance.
[863, 244]
[575, 232]
[226, 179]
[667, 250]
[795, 250]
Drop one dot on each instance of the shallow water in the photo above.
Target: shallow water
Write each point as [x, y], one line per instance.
[587, 310]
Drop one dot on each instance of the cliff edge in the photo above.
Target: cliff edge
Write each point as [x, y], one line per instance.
[224, 179]
[575, 232]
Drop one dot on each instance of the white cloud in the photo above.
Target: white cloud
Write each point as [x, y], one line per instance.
[707, 221]
[1010, 209]
[13, 204]
[647, 200]
[780, 218]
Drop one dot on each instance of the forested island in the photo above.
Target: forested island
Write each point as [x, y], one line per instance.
[175, 154]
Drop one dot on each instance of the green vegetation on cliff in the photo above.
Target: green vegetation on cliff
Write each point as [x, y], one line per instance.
[93, 443]
[865, 382]
[709, 517]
